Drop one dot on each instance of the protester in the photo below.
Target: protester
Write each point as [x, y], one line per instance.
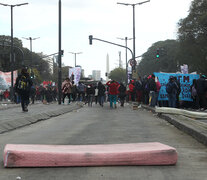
[158, 86]
[178, 92]
[74, 91]
[201, 90]
[122, 93]
[54, 93]
[6, 94]
[113, 87]
[171, 89]
[145, 96]
[23, 86]
[194, 95]
[152, 90]
[139, 90]
[90, 92]
[101, 93]
[32, 94]
[96, 94]
[81, 91]
[66, 89]
[132, 90]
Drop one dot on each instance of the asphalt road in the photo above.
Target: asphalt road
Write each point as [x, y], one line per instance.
[98, 125]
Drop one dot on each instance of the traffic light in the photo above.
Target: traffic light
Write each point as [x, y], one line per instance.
[158, 53]
[62, 52]
[32, 75]
[90, 39]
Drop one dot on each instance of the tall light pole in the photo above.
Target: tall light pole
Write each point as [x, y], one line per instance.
[12, 46]
[75, 55]
[59, 54]
[133, 6]
[126, 39]
[31, 39]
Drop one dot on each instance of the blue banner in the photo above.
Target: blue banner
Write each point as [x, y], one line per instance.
[185, 80]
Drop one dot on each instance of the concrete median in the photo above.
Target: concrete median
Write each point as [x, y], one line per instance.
[20, 155]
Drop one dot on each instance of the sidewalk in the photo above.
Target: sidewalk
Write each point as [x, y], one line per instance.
[12, 116]
[193, 127]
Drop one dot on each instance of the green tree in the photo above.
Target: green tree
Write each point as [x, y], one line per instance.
[192, 34]
[118, 74]
[42, 67]
[167, 61]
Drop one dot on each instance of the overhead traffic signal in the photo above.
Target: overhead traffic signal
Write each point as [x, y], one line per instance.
[158, 53]
[90, 39]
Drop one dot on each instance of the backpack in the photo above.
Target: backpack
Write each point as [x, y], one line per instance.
[169, 88]
[193, 91]
[23, 83]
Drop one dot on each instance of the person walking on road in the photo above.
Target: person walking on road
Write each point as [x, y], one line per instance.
[81, 91]
[90, 91]
[66, 89]
[132, 90]
[113, 91]
[122, 93]
[139, 90]
[101, 93]
[23, 86]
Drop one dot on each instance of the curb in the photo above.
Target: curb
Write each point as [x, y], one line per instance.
[21, 122]
[194, 128]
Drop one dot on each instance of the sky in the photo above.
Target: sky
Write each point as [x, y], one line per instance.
[104, 19]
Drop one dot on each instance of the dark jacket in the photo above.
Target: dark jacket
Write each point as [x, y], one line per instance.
[101, 89]
[200, 85]
[90, 90]
[152, 85]
[138, 86]
[122, 91]
[28, 84]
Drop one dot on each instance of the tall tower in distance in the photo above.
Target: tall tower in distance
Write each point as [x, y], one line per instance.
[107, 67]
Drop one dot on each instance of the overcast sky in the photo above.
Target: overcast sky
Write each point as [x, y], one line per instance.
[104, 19]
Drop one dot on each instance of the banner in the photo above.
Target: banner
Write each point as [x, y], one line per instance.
[75, 74]
[184, 69]
[185, 80]
[5, 79]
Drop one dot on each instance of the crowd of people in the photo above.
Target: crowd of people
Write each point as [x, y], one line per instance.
[141, 90]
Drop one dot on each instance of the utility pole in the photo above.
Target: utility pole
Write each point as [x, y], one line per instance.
[126, 39]
[75, 53]
[12, 47]
[134, 49]
[31, 39]
[59, 58]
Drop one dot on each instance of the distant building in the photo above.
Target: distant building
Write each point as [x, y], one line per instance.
[96, 75]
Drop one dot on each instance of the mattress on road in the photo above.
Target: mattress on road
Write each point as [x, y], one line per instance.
[22, 155]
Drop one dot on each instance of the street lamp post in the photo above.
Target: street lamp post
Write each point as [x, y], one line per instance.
[133, 6]
[12, 45]
[31, 39]
[59, 54]
[126, 39]
[75, 55]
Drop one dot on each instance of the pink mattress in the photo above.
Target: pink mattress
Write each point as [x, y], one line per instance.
[22, 155]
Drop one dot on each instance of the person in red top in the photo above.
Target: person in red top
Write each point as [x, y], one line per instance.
[132, 90]
[113, 91]
[6, 94]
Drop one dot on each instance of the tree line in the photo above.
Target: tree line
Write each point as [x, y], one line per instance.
[40, 68]
[189, 48]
